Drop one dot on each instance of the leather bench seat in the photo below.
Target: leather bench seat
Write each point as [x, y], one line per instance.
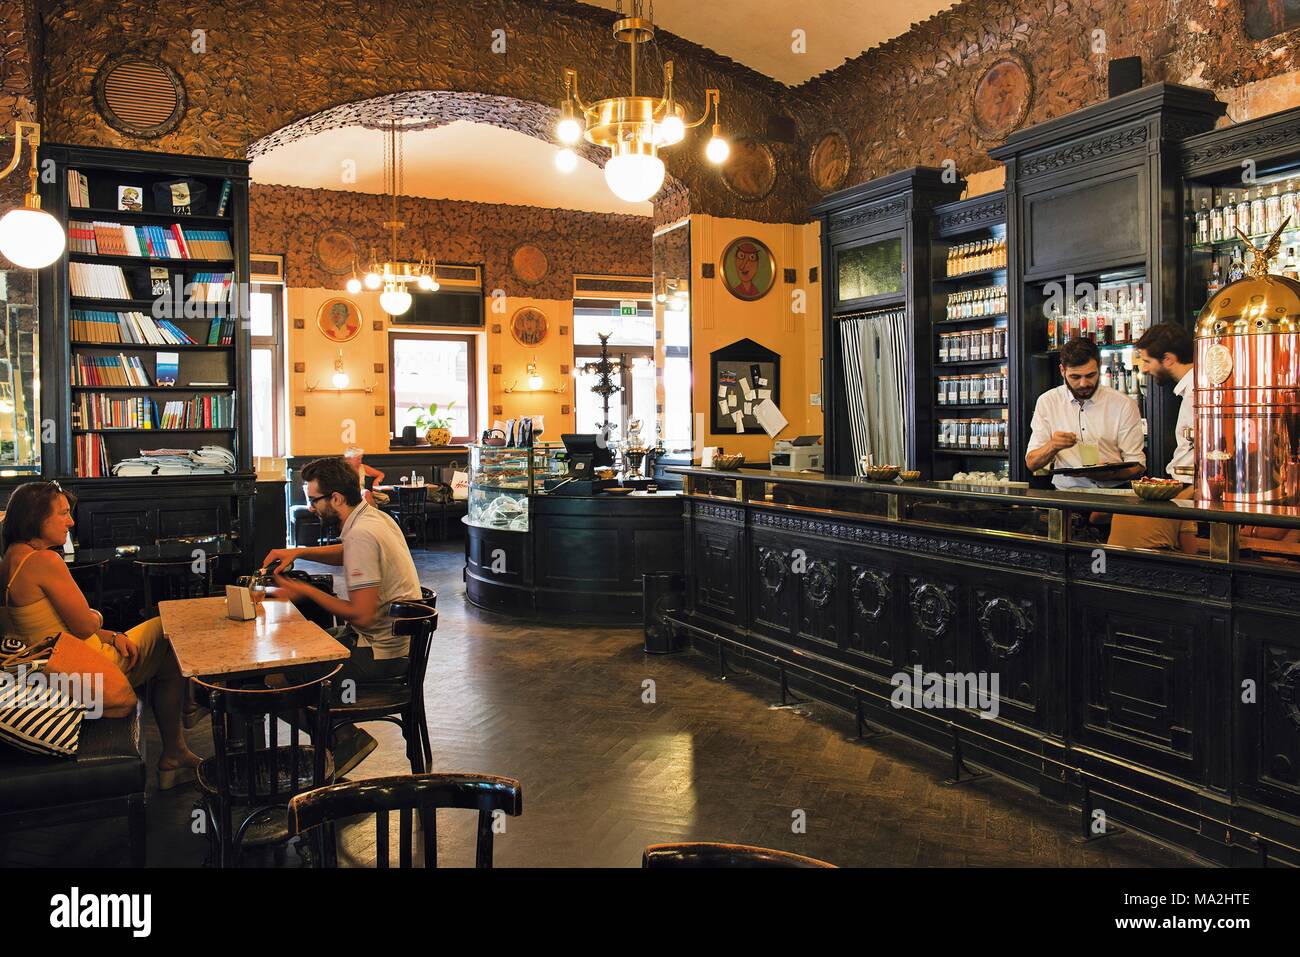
[109, 764]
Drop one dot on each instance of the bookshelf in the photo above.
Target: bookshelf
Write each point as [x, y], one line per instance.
[143, 341]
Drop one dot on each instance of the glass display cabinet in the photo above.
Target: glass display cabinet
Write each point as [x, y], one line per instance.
[502, 479]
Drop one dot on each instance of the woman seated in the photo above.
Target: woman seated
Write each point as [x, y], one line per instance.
[41, 599]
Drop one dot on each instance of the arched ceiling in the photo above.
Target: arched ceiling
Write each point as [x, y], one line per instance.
[758, 33]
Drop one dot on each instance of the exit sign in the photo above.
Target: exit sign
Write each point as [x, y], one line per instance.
[627, 308]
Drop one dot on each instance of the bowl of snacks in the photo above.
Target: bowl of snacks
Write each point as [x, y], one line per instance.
[1156, 489]
[882, 473]
[910, 475]
[726, 463]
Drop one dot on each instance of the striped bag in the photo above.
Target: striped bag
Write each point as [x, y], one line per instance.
[35, 717]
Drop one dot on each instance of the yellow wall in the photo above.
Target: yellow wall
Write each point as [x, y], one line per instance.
[333, 421]
[719, 319]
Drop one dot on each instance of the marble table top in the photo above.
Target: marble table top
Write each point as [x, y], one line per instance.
[209, 644]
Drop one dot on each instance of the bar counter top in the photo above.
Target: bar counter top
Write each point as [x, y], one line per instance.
[1126, 503]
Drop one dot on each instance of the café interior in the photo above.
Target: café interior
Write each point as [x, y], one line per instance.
[852, 434]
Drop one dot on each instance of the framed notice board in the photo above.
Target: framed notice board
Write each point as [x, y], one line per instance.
[742, 377]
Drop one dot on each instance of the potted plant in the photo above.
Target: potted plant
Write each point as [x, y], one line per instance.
[436, 426]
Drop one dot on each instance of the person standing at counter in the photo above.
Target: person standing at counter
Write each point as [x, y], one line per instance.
[1165, 353]
[1083, 422]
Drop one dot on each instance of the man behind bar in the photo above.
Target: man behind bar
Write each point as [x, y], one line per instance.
[378, 570]
[1165, 353]
[1081, 412]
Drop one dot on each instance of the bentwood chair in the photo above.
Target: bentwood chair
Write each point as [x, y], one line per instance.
[252, 771]
[165, 580]
[425, 793]
[411, 500]
[713, 854]
[399, 701]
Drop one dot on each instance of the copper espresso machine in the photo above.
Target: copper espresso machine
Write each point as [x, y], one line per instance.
[1248, 388]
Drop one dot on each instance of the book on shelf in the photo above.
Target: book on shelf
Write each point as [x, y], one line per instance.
[92, 456]
[98, 411]
[200, 412]
[221, 332]
[225, 198]
[136, 328]
[106, 238]
[168, 368]
[130, 199]
[98, 281]
[118, 370]
[210, 286]
[78, 189]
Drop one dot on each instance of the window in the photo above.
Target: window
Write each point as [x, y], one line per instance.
[631, 348]
[266, 333]
[433, 368]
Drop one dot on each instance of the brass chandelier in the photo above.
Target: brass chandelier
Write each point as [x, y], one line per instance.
[393, 275]
[633, 127]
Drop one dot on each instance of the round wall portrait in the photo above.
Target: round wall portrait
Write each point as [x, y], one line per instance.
[750, 171]
[748, 270]
[339, 320]
[828, 163]
[1002, 97]
[336, 252]
[528, 326]
[529, 263]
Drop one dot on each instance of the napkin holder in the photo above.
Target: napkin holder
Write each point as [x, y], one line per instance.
[239, 603]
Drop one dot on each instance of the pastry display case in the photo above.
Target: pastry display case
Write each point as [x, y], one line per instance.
[502, 479]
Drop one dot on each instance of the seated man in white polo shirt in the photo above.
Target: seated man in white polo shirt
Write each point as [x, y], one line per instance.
[1085, 412]
[378, 570]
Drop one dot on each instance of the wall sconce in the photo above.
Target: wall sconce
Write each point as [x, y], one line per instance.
[29, 237]
[340, 380]
[535, 382]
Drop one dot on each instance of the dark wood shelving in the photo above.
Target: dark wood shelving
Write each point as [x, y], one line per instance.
[114, 260]
[133, 346]
[963, 363]
[977, 274]
[941, 407]
[980, 453]
[80, 213]
[149, 431]
[999, 317]
[153, 388]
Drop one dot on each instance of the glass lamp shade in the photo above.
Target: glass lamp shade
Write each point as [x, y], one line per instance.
[566, 161]
[373, 280]
[426, 282]
[354, 285]
[535, 382]
[395, 301]
[31, 238]
[634, 177]
[672, 129]
[718, 150]
[569, 130]
[340, 379]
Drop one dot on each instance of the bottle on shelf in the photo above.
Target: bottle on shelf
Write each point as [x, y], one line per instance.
[1273, 209]
[1237, 267]
[1288, 205]
[1216, 224]
[1229, 213]
[1203, 222]
[1258, 213]
[1243, 211]
[1139, 324]
[1216, 279]
[1290, 267]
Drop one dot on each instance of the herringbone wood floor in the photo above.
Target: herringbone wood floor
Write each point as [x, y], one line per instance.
[605, 773]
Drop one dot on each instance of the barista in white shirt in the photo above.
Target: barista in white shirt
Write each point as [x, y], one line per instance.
[1165, 353]
[1083, 413]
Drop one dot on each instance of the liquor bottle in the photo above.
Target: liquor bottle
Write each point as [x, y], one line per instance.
[1203, 222]
[1122, 317]
[1290, 266]
[1053, 328]
[1216, 280]
[1243, 212]
[1258, 213]
[1230, 217]
[1102, 324]
[1139, 315]
[1237, 268]
[1288, 204]
[1273, 210]
[1216, 224]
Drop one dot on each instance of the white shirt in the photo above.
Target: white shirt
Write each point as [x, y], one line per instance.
[1109, 419]
[1184, 453]
[375, 555]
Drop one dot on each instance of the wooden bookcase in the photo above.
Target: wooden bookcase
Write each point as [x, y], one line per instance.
[141, 509]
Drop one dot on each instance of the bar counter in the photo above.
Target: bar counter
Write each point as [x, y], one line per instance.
[1158, 690]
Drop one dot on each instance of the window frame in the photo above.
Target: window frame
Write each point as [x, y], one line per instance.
[471, 345]
[276, 343]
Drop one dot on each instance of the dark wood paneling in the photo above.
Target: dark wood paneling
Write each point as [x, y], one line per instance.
[1266, 674]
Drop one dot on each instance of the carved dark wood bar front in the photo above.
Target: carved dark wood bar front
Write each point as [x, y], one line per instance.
[1156, 690]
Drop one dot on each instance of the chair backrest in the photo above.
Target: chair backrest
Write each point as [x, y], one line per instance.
[412, 497]
[713, 854]
[92, 574]
[428, 597]
[405, 793]
[174, 578]
[272, 777]
[417, 622]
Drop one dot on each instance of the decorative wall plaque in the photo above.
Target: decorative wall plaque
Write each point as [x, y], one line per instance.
[1002, 97]
[529, 263]
[748, 269]
[750, 171]
[338, 319]
[528, 326]
[336, 252]
[828, 162]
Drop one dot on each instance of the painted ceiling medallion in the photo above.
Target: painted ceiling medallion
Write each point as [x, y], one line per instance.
[1002, 97]
[828, 163]
[529, 263]
[336, 252]
[750, 172]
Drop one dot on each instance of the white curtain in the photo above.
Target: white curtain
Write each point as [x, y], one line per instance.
[875, 347]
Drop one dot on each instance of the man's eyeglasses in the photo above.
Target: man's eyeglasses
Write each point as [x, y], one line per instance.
[312, 500]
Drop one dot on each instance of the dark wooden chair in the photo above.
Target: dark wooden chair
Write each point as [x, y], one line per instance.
[400, 701]
[428, 597]
[411, 500]
[252, 770]
[425, 793]
[166, 580]
[89, 577]
[713, 854]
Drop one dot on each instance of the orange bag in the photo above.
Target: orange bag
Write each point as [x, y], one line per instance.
[72, 656]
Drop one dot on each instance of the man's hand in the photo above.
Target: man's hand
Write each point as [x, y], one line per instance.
[284, 555]
[289, 588]
[1062, 440]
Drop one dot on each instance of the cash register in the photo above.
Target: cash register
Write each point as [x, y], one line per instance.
[803, 452]
[583, 454]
